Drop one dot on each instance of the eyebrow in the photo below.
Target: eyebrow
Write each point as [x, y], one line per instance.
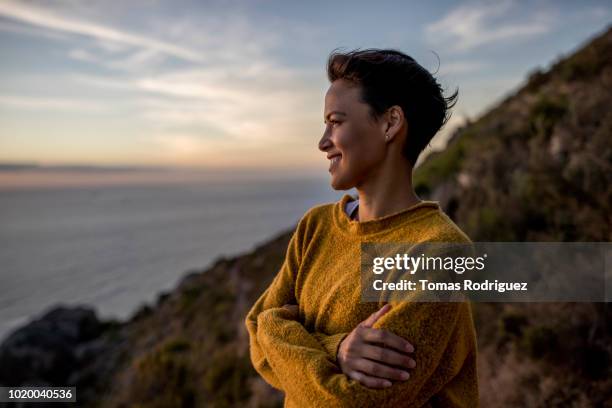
[331, 113]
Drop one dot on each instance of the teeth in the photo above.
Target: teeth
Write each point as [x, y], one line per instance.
[335, 159]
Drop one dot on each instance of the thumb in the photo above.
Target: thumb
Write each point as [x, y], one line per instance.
[376, 315]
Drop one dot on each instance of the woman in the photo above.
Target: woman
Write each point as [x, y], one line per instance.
[310, 334]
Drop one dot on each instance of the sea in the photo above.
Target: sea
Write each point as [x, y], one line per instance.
[116, 246]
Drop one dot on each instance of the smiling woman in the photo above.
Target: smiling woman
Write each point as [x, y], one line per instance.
[310, 334]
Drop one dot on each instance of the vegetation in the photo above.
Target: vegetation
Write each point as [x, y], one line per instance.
[539, 168]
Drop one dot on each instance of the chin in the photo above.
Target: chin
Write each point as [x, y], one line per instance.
[338, 183]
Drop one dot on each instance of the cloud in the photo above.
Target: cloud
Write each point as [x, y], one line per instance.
[136, 62]
[18, 28]
[461, 67]
[257, 102]
[45, 18]
[232, 101]
[43, 103]
[476, 24]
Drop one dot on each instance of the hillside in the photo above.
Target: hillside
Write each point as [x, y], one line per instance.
[537, 167]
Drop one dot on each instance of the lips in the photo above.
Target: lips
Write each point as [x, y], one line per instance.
[334, 161]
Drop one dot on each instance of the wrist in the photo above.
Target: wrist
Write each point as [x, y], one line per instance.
[339, 350]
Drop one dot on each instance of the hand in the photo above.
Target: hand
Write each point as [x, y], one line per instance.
[370, 355]
[294, 309]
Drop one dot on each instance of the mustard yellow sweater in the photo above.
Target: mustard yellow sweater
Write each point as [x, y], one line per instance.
[321, 274]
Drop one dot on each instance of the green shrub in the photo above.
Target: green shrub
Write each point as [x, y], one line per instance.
[189, 296]
[546, 112]
[586, 63]
[540, 341]
[227, 378]
[536, 79]
[176, 345]
[440, 165]
[162, 380]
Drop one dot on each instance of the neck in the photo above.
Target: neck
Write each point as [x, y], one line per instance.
[387, 191]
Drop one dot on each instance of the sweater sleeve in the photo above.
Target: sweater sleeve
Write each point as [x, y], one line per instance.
[280, 292]
[330, 342]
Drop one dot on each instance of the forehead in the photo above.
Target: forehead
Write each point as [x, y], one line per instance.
[342, 92]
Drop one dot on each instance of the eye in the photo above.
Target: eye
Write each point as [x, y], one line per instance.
[334, 123]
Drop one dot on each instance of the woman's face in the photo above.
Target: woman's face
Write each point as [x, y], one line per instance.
[354, 144]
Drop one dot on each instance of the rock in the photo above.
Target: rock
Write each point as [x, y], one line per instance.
[43, 351]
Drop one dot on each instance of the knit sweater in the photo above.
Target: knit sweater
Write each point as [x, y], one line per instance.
[321, 274]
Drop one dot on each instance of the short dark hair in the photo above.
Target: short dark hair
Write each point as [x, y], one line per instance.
[389, 77]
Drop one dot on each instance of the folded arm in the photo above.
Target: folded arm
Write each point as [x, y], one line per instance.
[307, 375]
[327, 344]
[280, 292]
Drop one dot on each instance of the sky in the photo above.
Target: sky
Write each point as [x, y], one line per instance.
[241, 84]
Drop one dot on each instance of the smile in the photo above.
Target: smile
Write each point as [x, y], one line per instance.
[333, 163]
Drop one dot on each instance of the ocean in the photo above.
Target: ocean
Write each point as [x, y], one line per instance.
[115, 247]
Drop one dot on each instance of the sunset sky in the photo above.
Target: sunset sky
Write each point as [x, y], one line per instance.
[237, 84]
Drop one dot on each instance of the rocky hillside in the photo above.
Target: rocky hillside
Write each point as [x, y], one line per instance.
[537, 167]
[189, 349]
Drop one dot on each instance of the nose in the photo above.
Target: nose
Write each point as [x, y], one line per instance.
[324, 142]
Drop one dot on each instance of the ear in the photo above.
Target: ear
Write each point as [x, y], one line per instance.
[395, 119]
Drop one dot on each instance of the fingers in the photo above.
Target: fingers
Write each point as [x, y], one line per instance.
[386, 338]
[375, 369]
[375, 357]
[289, 305]
[369, 381]
[293, 309]
[375, 316]
[387, 356]
[381, 312]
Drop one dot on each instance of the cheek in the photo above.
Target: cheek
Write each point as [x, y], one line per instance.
[362, 159]
[361, 146]
[344, 138]
[351, 140]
